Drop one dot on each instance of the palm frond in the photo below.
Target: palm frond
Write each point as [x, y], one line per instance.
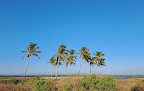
[24, 56]
[31, 50]
[24, 51]
[36, 51]
[36, 55]
[36, 48]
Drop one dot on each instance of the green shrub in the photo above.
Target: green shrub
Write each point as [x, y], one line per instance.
[15, 81]
[142, 80]
[37, 84]
[89, 81]
[41, 86]
[94, 79]
[32, 79]
[68, 88]
[96, 83]
[85, 83]
[106, 84]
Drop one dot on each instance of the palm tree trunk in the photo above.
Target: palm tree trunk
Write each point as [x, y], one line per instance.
[51, 70]
[90, 69]
[96, 67]
[100, 70]
[26, 67]
[57, 68]
[69, 70]
[80, 67]
[85, 67]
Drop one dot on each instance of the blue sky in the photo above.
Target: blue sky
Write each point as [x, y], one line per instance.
[115, 27]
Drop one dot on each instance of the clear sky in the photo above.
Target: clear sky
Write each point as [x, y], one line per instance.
[115, 27]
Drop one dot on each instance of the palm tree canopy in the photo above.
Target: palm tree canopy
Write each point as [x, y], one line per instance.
[92, 61]
[98, 54]
[70, 57]
[31, 50]
[52, 60]
[101, 62]
[99, 59]
[84, 54]
[61, 55]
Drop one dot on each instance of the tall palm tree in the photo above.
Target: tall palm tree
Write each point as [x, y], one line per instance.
[91, 62]
[31, 50]
[52, 62]
[70, 59]
[61, 55]
[85, 55]
[97, 58]
[101, 63]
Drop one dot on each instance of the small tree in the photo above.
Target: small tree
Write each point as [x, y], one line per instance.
[97, 58]
[31, 50]
[70, 59]
[61, 55]
[91, 62]
[52, 61]
[85, 55]
[101, 63]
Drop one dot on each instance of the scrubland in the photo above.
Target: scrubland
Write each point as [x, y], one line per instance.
[85, 83]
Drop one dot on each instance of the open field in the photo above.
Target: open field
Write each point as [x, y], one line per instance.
[86, 83]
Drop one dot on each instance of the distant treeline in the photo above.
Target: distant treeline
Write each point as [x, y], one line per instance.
[64, 75]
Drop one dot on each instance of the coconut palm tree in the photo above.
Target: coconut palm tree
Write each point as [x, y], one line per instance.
[85, 55]
[52, 62]
[91, 62]
[101, 63]
[60, 56]
[70, 59]
[31, 50]
[97, 58]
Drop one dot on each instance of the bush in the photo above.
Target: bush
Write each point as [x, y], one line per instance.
[89, 81]
[32, 79]
[143, 80]
[92, 82]
[41, 86]
[37, 84]
[14, 81]
[85, 83]
[106, 84]
[68, 88]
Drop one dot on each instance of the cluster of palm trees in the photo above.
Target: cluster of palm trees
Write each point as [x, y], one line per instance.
[68, 57]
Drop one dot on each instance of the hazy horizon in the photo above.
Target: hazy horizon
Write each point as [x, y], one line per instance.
[114, 27]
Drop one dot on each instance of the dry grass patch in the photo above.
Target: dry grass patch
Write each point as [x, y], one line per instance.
[129, 85]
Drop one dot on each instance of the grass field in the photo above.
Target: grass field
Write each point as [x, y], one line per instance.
[85, 83]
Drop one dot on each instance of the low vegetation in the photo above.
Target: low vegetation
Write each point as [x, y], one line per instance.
[85, 83]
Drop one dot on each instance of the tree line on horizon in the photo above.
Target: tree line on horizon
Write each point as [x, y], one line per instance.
[68, 57]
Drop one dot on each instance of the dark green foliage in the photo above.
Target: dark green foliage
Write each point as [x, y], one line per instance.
[106, 84]
[85, 83]
[68, 88]
[15, 81]
[41, 86]
[91, 62]
[101, 84]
